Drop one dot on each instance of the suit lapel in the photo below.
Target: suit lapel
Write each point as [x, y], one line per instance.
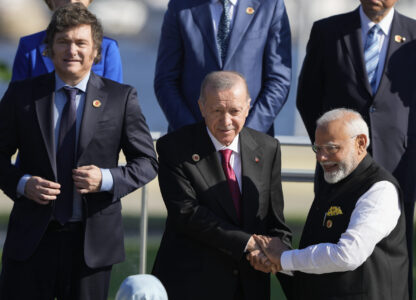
[46, 60]
[251, 169]
[44, 100]
[92, 113]
[242, 21]
[203, 18]
[396, 29]
[211, 171]
[355, 48]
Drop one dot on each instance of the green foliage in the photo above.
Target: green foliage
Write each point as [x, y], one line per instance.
[5, 73]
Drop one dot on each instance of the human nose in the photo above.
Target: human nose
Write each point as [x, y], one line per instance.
[72, 49]
[321, 156]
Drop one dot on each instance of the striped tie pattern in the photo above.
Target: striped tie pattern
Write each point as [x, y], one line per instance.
[224, 29]
[371, 56]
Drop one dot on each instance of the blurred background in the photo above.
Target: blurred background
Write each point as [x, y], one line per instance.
[136, 24]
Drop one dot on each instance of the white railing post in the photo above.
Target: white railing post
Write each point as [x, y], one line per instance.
[143, 233]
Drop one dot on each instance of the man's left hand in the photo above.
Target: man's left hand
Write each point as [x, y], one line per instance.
[87, 179]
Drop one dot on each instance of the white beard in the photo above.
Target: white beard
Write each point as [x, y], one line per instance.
[344, 169]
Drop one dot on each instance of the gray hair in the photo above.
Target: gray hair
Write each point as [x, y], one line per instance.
[355, 123]
[222, 81]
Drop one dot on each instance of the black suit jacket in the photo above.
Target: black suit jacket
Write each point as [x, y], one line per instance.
[26, 124]
[201, 255]
[333, 75]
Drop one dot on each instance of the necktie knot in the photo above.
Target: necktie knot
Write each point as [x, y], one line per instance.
[71, 92]
[226, 154]
[374, 30]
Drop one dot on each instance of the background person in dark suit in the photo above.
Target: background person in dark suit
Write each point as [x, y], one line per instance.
[343, 68]
[30, 60]
[251, 37]
[65, 229]
[212, 215]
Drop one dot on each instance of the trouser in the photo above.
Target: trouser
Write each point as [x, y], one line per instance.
[56, 269]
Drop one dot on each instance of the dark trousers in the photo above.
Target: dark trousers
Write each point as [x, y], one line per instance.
[56, 269]
[409, 208]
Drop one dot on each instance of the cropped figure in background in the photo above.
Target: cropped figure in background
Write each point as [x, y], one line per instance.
[141, 287]
[364, 60]
[65, 230]
[251, 37]
[221, 184]
[353, 244]
[30, 60]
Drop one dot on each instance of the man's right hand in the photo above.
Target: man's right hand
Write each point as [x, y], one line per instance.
[41, 191]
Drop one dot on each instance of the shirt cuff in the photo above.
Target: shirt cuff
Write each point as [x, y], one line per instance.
[107, 181]
[20, 191]
[286, 260]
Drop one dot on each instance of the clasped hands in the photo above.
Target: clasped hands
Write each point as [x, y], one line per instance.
[265, 253]
[87, 179]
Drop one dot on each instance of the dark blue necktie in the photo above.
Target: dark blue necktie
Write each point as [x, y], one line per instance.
[224, 29]
[371, 56]
[65, 157]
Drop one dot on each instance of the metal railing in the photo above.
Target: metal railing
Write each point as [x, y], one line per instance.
[288, 175]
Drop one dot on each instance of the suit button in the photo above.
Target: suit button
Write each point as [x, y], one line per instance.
[235, 272]
[372, 109]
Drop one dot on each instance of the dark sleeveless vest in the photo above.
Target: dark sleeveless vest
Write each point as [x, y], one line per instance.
[384, 274]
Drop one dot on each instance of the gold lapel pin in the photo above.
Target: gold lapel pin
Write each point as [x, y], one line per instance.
[399, 39]
[195, 157]
[249, 10]
[96, 103]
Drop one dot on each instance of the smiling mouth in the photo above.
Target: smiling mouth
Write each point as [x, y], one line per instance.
[329, 167]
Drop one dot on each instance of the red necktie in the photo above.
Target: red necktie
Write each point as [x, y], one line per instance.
[231, 179]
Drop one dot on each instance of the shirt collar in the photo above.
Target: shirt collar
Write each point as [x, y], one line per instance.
[82, 85]
[384, 24]
[234, 146]
[233, 2]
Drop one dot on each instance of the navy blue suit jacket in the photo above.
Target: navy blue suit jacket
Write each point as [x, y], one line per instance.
[26, 124]
[259, 48]
[333, 75]
[29, 61]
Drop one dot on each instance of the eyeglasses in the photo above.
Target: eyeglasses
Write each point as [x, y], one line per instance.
[328, 149]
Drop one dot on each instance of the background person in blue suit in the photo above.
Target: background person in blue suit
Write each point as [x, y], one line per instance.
[30, 61]
[257, 45]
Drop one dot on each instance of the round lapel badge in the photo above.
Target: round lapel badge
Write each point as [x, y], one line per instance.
[96, 103]
[195, 157]
[250, 10]
[329, 224]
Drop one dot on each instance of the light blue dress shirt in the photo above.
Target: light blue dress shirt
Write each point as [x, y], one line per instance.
[60, 99]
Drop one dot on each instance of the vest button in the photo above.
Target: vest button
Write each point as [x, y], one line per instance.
[235, 272]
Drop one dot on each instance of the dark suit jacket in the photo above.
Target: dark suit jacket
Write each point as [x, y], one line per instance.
[334, 75]
[259, 48]
[30, 62]
[201, 253]
[26, 124]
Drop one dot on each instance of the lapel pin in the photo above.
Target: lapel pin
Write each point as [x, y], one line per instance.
[399, 39]
[195, 157]
[96, 103]
[256, 159]
[329, 224]
[250, 10]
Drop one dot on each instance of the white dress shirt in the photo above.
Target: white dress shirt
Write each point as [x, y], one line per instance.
[216, 12]
[235, 159]
[384, 37]
[374, 217]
